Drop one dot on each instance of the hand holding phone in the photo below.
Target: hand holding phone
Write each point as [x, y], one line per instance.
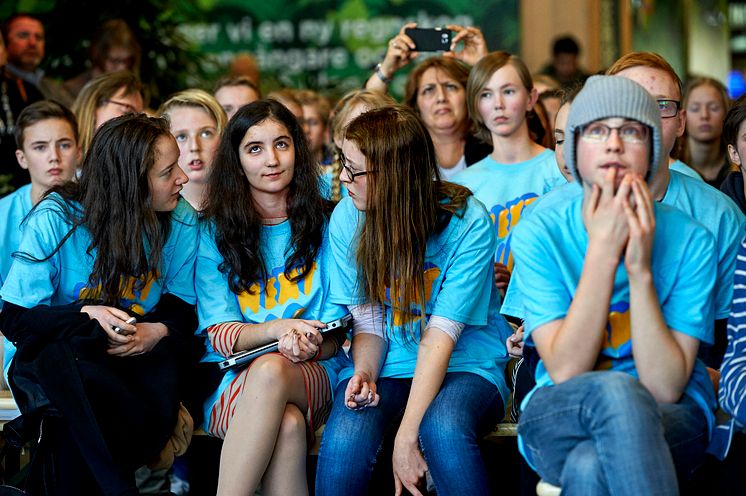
[118, 329]
[430, 39]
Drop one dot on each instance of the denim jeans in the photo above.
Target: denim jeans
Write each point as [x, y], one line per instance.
[602, 433]
[466, 407]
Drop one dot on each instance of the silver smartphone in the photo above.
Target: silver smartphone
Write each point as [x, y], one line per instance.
[246, 357]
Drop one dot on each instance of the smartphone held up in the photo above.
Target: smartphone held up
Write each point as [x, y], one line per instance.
[430, 39]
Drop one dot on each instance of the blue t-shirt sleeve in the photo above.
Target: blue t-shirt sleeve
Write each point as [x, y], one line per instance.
[343, 273]
[689, 307]
[329, 310]
[216, 303]
[468, 278]
[543, 295]
[30, 283]
[183, 254]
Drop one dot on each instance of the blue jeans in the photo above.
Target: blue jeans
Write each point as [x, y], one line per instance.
[602, 433]
[466, 407]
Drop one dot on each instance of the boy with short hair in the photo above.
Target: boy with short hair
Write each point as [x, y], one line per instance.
[47, 146]
[616, 317]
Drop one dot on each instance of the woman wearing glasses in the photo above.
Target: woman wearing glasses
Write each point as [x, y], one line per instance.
[414, 266]
[262, 276]
[104, 98]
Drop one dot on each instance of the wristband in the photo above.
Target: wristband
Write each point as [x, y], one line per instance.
[382, 76]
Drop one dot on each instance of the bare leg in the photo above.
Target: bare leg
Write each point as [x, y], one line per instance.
[271, 383]
[286, 473]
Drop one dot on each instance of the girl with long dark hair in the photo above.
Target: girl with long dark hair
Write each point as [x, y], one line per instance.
[263, 263]
[121, 243]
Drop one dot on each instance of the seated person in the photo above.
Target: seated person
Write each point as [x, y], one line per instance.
[734, 136]
[99, 303]
[615, 317]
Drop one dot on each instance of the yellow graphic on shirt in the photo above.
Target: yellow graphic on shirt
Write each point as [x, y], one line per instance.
[432, 272]
[505, 218]
[134, 297]
[618, 341]
[278, 291]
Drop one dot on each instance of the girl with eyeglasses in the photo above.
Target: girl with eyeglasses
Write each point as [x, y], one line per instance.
[414, 266]
[262, 276]
[103, 98]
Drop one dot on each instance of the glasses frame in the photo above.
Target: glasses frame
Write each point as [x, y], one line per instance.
[678, 107]
[350, 173]
[588, 139]
[126, 106]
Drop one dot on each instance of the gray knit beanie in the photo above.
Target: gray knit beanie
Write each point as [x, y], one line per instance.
[612, 96]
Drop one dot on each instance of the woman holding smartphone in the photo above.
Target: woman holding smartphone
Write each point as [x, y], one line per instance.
[436, 90]
[116, 245]
[408, 249]
[262, 276]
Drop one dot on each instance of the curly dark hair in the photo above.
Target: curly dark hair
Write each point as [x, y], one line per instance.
[238, 225]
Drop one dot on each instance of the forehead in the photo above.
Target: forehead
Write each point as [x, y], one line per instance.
[25, 24]
[236, 92]
[506, 74]
[48, 129]
[166, 151]
[184, 116]
[267, 130]
[705, 92]
[658, 82]
[351, 150]
[436, 75]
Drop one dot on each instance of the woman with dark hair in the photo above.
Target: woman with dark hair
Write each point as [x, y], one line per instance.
[99, 302]
[436, 90]
[262, 263]
[414, 266]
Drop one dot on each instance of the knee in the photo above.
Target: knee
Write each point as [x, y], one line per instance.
[582, 467]
[617, 390]
[270, 372]
[439, 430]
[293, 425]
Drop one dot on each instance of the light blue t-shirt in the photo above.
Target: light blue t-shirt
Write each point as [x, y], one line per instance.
[682, 168]
[722, 218]
[13, 209]
[507, 189]
[63, 278]
[551, 246]
[459, 283]
[280, 299]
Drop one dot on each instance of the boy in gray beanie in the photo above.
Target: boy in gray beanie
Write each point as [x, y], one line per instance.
[616, 290]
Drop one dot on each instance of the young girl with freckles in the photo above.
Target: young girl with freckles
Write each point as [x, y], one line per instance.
[197, 120]
[618, 295]
[262, 276]
[500, 95]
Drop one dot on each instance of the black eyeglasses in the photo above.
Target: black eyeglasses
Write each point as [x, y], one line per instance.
[350, 173]
[126, 106]
[668, 108]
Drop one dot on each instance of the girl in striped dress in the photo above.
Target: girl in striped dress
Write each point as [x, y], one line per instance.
[262, 264]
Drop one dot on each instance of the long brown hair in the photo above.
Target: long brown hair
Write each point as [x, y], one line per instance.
[406, 204]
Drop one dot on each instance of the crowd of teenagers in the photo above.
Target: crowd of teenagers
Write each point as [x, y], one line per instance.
[573, 262]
